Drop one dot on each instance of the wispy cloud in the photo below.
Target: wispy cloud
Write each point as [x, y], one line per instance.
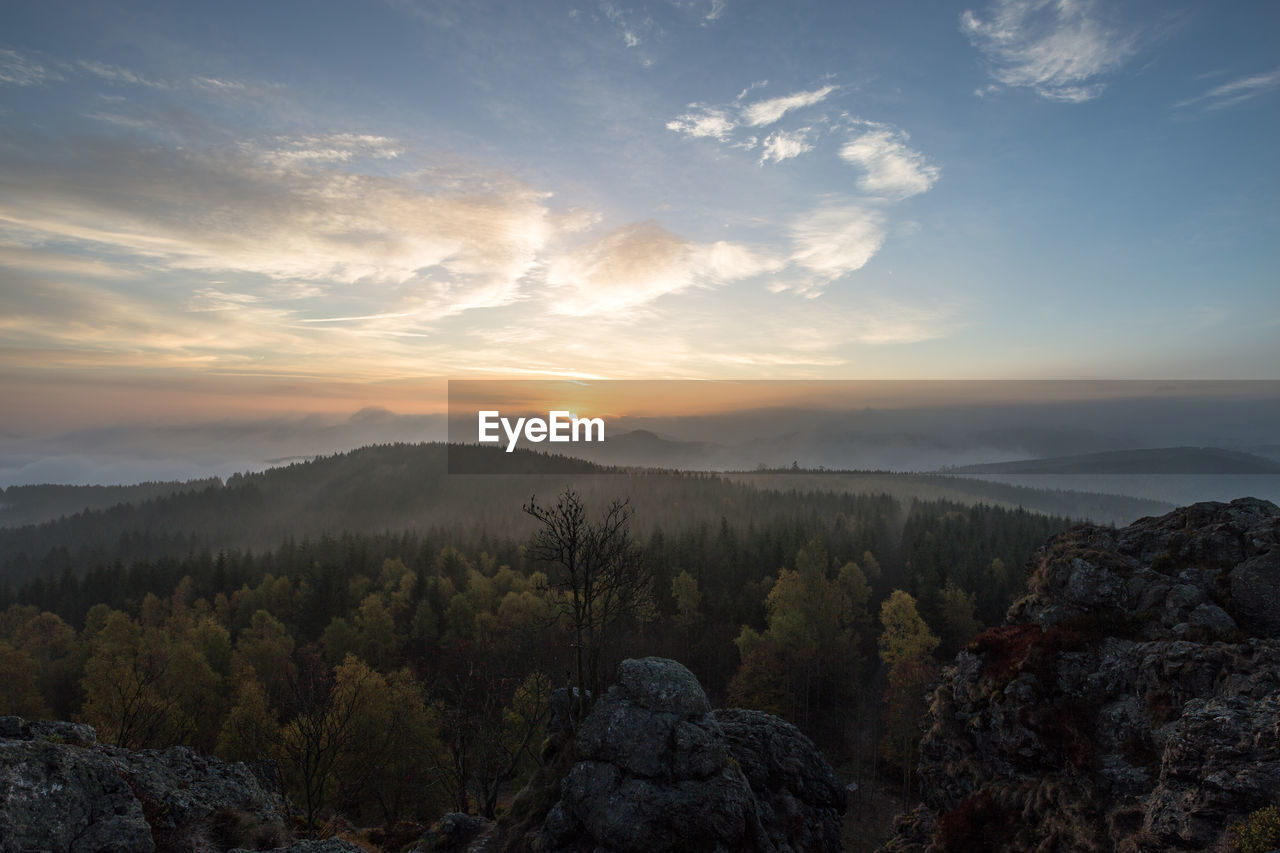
[836, 240]
[703, 121]
[842, 232]
[23, 69]
[1057, 48]
[630, 28]
[287, 210]
[639, 263]
[767, 112]
[19, 69]
[116, 74]
[891, 168]
[329, 148]
[1236, 92]
[718, 122]
[783, 145]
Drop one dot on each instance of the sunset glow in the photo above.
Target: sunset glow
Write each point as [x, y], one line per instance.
[231, 212]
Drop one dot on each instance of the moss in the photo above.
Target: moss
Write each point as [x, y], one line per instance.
[1005, 648]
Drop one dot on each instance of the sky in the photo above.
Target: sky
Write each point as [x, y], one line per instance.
[248, 210]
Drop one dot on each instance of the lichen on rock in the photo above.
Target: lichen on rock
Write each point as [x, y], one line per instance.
[60, 791]
[1131, 702]
[657, 770]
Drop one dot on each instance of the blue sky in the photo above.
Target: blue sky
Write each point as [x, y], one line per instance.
[272, 208]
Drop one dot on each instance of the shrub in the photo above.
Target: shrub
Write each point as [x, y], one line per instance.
[977, 825]
[1005, 647]
[1257, 833]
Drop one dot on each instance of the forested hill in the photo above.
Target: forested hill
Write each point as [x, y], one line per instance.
[376, 571]
[405, 488]
[22, 505]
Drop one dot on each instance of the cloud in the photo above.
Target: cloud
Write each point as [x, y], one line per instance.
[1057, 48]
[838, 237]
[885, 322]
[289, 209]
[719, 122]
[1235, 92]
[628, 27]
[702, 121]
[639, 263]
[891, 168]
[116, 74]
[836, 240]
[17, 69]
[769, 111]
[290, 153]
[783, 145]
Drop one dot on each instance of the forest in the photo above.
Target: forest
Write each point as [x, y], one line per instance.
[399, 671]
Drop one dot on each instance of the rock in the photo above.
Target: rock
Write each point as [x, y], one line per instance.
[800, 799]
[1255, 593]
[328, 845]
[453, 833]
[179, 788]
[1130, 702]
[657, 770]
[662, 686]
[60, 791]
[563, 716]
[56, 798]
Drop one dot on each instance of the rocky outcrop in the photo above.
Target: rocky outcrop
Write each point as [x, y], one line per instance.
[456, 832]
[61, 791]
[658, 770]
[328, 845]
[1131, 702]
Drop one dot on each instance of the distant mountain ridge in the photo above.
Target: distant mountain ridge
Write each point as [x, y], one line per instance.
[387, 488]
[1165, 460]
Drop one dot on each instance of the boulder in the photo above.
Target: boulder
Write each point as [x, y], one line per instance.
[799, 798]
[657, 770]
[452, 833]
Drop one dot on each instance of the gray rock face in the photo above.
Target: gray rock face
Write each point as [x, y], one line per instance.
[328, 845]
[59, 791]
[56, 798]
[1131, 702]
[180, 787]
[659, 771]
[799, 798]
[452, 833]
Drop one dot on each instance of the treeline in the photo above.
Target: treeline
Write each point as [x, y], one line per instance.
[430, 655]
[406, 487]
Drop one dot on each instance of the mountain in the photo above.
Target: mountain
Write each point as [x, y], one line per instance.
[642, 448]
[391, 488]
[1131, 700]
[21, 505]
[1167, 460]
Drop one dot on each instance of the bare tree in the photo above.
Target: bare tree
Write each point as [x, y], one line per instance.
[597, 574]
